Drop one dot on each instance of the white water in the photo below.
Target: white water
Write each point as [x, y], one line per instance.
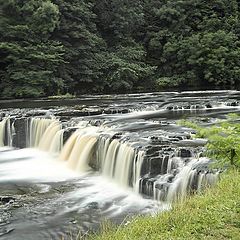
[2, 131]
[32, 165]
[6, 132]
[179, 189]
[115, 159]
[137, 170]
[79, 148]
[37, 128]
[52, 138]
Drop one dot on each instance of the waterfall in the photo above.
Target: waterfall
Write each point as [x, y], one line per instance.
[117, 160]
[45, 134]
[189, 179]
[52, 138]
[160, 176]
[114, 159]
[6, 132]
[137, 166]
[79, 148]
[2, 131]
[122, 164]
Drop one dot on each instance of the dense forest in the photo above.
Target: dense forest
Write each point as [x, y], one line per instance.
[53, 47]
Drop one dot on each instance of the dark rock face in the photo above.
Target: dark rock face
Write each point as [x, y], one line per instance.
[208, 105]
[67, 133]
[19, 138]
[6, 199]
[185, 153]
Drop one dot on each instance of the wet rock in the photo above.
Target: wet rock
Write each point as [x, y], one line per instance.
[153, 149]
[93, 205]
[19, 139]
[117, 136]
[146, 186]
[208, 105]
[234, 104]
[67, 133]
[184, 153]
[5, 231]
[7, 199]
[2, 115]
[115, 111]
[155, 165]
[96, 122]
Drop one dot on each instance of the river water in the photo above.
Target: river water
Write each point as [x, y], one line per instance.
[66, 166]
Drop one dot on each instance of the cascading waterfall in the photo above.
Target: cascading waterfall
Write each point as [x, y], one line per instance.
[190, 179]
[123, 163]
[45, 134]
[52, 138]
[79, 148]
[137, 166]
[117, 161]
[6, 132]
[95, 147]
[36, 128]
[2, 131]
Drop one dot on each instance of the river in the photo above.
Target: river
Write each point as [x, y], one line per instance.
[67, 166]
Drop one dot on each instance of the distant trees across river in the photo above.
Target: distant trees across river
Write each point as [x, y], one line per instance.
[54, 47]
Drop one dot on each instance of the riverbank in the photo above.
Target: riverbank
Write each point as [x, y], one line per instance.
[215, 214]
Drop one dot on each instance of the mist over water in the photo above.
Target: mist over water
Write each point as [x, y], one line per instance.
[66, 166]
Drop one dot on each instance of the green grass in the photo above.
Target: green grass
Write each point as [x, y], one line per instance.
[215, 214]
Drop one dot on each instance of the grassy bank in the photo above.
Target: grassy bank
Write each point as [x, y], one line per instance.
[214, 214]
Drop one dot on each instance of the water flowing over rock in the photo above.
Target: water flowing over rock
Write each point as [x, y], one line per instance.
[132, 141]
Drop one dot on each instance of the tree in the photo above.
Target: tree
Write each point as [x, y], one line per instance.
[30, 59]
[182, 41]
[84, 47]
[210, 58]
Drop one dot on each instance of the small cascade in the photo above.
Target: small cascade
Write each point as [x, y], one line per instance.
[170, 176]
[119, 161]
[137, 167]
[52, 139]
[190, 179]
[36, 129]
[2, 131]
[90, 146]
[159, 171]
[79, 148]
[6, 132]
[45, 134]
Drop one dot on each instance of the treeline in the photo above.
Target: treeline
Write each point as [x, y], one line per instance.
[51, 47]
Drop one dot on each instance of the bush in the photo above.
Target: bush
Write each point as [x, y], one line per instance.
[223, 140]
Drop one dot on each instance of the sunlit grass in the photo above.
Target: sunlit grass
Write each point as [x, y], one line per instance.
[214, 214]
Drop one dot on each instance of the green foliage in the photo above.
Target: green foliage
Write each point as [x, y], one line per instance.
[223, 140]
[205, 57]
[84, 47]
[126, 69]
[30, 59]
[52, 47]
